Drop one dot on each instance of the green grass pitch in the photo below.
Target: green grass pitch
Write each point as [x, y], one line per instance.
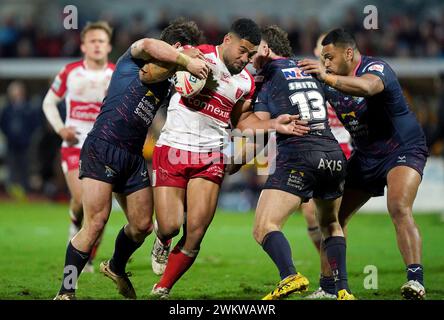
[230, 265]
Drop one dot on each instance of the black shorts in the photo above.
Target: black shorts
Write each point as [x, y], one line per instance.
[309, 174]
[370, 174]
[101, 160]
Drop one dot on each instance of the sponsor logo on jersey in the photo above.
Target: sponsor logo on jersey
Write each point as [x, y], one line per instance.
[239, 93]
[350, 114]
[87, 112]
[376, 67]
[294, 73]
[296, 179]
[213, 108]
[243, 76]
[149, 93]
[144, 175]
[332, 165]
[110, 172]
[210, 60]
[402, 159]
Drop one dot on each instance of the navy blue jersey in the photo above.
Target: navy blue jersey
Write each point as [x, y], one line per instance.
[283, 88]
[381, 123]
[129, 106]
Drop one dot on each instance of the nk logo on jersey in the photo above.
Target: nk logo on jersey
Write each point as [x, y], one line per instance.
[294, 73]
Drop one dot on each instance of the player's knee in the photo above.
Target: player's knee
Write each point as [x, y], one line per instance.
[258, 235]
[168, 230]
[261, 230]
[169, 233]
[196, 233]
[329, 228]
[95, 226]
[400, 213]
[143, 227]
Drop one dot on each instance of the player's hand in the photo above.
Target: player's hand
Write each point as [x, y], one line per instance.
[193, 53]
[313, 67]
[69, 134]
[198, 67]
[291, 125]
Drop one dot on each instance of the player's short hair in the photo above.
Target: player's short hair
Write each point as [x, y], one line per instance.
[183, 31]
[340, 38]
[247, 29]
[277, 40]
[97, 25]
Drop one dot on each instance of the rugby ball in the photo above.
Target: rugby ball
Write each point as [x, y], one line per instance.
[186, 84]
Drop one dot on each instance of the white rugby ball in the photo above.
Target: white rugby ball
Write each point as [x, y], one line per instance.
[186, 84]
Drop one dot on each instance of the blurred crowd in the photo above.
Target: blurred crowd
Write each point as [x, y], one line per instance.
[400, 35]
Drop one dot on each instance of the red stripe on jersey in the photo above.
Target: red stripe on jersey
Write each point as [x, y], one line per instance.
[249, 96]
[59, 84]
[207, 93]
[333, 120]
[111, 66]
[207, 48]
[84, 111]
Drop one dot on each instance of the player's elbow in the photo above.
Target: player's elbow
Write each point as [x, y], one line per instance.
[148, 45]
[370, 88]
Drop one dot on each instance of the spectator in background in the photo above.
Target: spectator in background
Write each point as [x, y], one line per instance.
[18, 122]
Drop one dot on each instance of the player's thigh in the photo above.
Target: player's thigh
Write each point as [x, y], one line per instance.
[352, 201]
[274, 207]
[402, 186]
[97, 201]
[169, 207]
[202, 195]
[138, 207]
[74, 184]
[327, 211]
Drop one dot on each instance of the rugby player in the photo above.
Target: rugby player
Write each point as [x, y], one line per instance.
[311, 166]
[390, 147]
[188, 163]
[326, 288]
[83, 85]
[111, 158]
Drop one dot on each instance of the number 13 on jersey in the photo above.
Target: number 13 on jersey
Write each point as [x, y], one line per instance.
[311, 105]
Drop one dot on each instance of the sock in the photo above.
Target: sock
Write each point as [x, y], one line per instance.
[335, 249]
[277, 247]
[315, 236]
[179, 262]
[123, 249]
[415, 272]
[327, 284]
[75, 261]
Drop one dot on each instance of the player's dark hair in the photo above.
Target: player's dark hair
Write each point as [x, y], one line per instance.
[183, 31]
[277, 40]
[340, 38]
[247, 29]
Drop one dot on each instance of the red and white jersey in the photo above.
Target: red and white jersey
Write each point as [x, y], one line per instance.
[199, 124]
[84, 90]
[341, 134]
